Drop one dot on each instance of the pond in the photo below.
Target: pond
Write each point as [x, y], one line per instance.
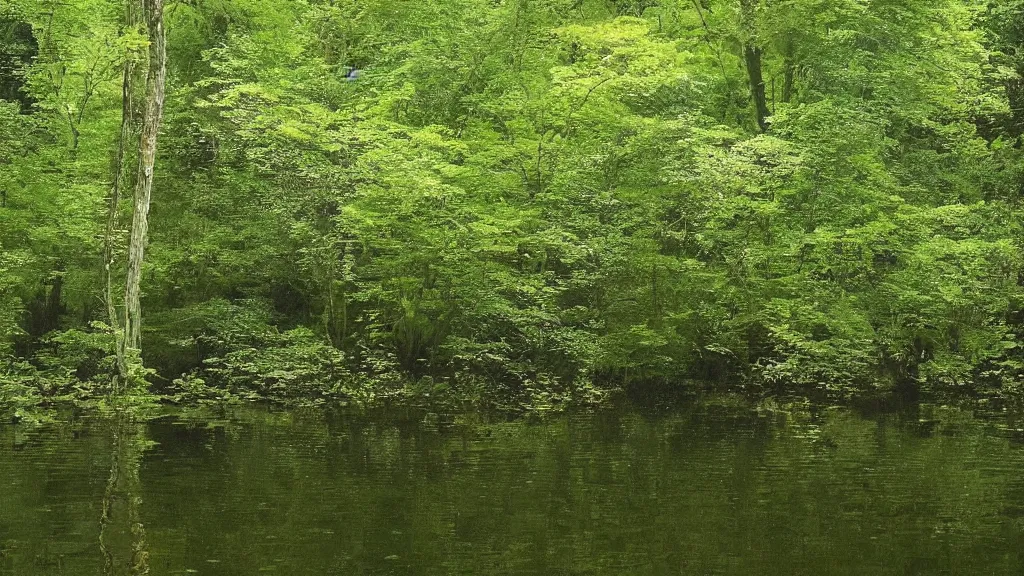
[709, 488]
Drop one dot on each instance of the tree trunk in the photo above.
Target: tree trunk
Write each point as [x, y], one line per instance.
[752, 58]
[789, 71]
[119, 183]
[787, 86]
[153, 111]
[752, 55]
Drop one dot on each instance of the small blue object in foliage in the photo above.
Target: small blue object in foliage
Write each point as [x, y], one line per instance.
[353, 74]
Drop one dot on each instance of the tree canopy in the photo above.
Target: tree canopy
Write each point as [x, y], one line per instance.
[528, 201]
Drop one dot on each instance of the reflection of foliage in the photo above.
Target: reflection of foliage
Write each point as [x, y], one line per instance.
[881, 491]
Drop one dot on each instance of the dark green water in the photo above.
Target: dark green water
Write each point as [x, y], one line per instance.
[701, 490]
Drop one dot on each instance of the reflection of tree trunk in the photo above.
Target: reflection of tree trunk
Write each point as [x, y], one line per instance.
[122, 533]
[154, 105]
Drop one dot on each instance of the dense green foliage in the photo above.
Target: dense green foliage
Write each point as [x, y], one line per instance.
[523, 199]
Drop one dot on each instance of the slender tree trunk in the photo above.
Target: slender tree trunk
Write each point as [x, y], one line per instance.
[752, 55]
[789, 71]
[787, 85]
[153, 111]
[119, 183]
[752, 58]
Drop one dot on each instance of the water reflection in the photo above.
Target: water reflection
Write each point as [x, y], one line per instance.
[711, 489]
[122, 533]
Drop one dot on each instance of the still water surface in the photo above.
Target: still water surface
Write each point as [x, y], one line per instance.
[704, 489]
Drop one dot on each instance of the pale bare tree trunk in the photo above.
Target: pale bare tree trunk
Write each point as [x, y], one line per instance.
[119, 183]
[153, 111]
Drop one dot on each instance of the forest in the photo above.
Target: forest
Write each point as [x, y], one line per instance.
[524, 204]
